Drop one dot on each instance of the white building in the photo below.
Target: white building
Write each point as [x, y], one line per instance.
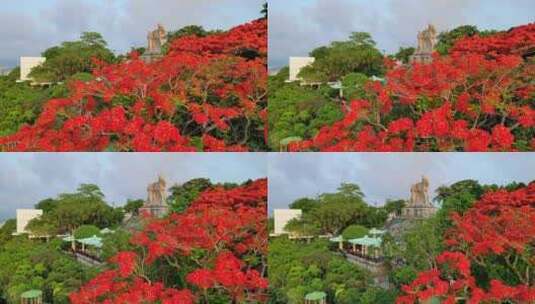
[297, 64]
[282, 217]
[24, 216]
[27, 64]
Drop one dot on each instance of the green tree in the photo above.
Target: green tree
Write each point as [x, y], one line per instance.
[350, 191]
[86, 231]
[42, 227]
[305, 204]
[6, 230]
[28, 264]
[20, 103]
[354, 232]
[302, 227]
[448, 38]
[93, 39]
[90, 191]
[353, 86]
[422, 243]
[183, 195]
[394, 206]
[47, 205]
[296, 269]
[362, 38]
[86, 206]
[356, 55]
[72, 57]
[298, 111]
[132, 206]
[404, 54]
[115, 242]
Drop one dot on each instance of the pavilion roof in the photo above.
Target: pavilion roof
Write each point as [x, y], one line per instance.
[69, 238]
[375, 231]
[92, 241]
[315, 296]
[106, 231]
[337, 239]
[31, 294]
[367, 241]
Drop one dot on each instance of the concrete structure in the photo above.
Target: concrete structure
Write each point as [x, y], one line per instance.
[297, 64]
[419, 205]
[282, 217]
[427, 39]
[27, 64]
[24, 216]
[156, 39]
[156, 203]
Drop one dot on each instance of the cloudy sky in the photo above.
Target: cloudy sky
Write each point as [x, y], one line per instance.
[26, 178]
[298, 26]
[387, 175]
[28, 27]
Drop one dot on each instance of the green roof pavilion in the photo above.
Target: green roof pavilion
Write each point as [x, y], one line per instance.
[316, 297]
[32, 297]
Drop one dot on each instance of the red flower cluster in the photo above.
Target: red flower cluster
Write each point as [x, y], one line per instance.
[500, 227]
[478, 98]
[212, 89]
[229, 225]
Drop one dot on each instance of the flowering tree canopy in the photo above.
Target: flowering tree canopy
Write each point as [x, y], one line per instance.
[215, 249]
[490, 257]
[207, 93]
[480, 97]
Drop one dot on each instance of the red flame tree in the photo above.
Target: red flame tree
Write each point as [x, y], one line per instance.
[205, 94]
[216, 249]
[490, 257]
[478, 98]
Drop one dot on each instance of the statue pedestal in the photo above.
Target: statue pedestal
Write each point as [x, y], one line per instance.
[418, 212]
[421, 58]
[149, 57]
[155, 211]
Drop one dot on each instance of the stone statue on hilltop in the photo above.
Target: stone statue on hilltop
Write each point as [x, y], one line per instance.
[427, 39]
[419, 193]
[419, 204]
[156, 39]
[156, 203]
[156, 193]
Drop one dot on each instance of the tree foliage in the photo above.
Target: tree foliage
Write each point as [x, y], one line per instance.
[206, 93]
[28, 264]
[477, 98]
[298, 269]
[69, 211]
[72, 57]
[183, 195]
[356, 55]
[296, 111]
[488, 256]
[213, 252]
[21, 103]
